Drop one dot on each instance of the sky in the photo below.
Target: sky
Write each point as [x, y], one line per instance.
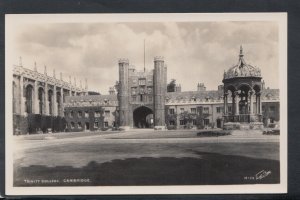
[193, 51]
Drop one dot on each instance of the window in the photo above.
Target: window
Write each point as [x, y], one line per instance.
[181, 110]
[141, 98]
[194, 122]
[134, 81]
[171, 111]
[230, 109]
[71, 114]
[142, 81]
[172, 123]
[219, 109]
[149, 90]
[105, 124]
[96, 125]
[181, 122]
[107, 113]
[206, 122]
[272, 108]
[206, 110]
[72, 125]
[133, 91]
[86, 114]
[150, 98]
[97, 114]
[79, 114]
[79, 125]
[193, 110]
[134, 98]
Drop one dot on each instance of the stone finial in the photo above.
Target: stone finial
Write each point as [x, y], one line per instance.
[80, 84]
[70, 79]
[54, 73]
[158, 58]
[20, 62]
[35, 68]
[241, 51]
[45, 69]
[75, 81]
[86, 84]
[123, 60]
[60, 76]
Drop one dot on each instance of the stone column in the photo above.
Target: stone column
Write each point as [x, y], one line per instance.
[22, 98]
[61, 112]
[233, 103]
[259, 105]
[36, 98]
[256, 101]
[237, 107]
[225, 103]
[251, 103]
[46, 103]
[54, 103]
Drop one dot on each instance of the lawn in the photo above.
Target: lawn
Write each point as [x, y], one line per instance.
[162, 161]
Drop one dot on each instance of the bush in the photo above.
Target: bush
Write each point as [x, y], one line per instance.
[36, 123]
[213, 133]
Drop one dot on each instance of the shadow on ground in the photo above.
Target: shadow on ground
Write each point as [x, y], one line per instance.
[209, 168]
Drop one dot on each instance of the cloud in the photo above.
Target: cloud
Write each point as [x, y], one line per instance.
[194, 52]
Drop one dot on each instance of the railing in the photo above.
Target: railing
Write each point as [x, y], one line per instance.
[243, 118]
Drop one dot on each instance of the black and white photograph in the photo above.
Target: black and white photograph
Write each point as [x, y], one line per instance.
[146, 103]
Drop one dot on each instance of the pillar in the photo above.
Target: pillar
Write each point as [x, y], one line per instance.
[237, 108]
[259, 104]
[225, 103]
[233, 103]
[36, 98]
[251, 102]
[159, 92]
[123, 94]
[54, 102]
[22, 98]
[61, 102]
[46, 103]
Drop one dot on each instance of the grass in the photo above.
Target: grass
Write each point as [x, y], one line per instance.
[209, 168]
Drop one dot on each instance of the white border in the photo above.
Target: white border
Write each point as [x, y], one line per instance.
[281, 18]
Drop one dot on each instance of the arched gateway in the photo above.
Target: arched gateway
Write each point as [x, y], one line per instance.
[143, 117]
[242, 96]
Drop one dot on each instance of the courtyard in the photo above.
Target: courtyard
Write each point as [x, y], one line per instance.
[145, 157]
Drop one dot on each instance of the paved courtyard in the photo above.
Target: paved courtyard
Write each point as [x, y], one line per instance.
[145, 157]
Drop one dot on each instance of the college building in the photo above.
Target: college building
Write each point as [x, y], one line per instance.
[140, 99]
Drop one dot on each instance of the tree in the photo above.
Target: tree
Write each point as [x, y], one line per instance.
[188, 118]
[93, 93]
[171, 86]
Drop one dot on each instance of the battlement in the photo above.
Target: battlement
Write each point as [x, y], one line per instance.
[123, 60]
[158, 58]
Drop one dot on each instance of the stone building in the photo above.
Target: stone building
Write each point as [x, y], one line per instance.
[141, 94]
[36, 93]
[91, 112]
[141, 101]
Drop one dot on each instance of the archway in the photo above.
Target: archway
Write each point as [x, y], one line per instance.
[41, 98]
[29, 98]
[142, 117]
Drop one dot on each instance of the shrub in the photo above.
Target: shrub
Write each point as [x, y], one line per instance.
[213, 133]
